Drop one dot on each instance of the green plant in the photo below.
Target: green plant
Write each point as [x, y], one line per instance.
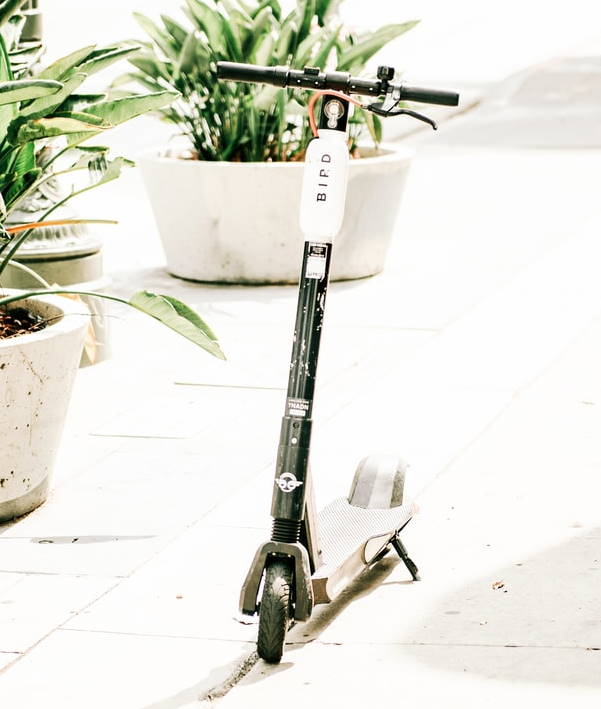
[36, 110]
[226, 121]
[23, 55]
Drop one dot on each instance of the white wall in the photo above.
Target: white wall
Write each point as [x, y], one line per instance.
[463, 40]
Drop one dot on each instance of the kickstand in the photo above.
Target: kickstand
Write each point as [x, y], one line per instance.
[402, 552]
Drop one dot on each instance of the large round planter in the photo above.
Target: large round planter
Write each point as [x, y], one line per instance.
[238, 222]
[36, 376]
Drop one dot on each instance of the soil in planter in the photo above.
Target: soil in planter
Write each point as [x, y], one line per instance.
[18, 321]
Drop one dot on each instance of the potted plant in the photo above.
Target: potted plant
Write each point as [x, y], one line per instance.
[40, 336]
[222, 197]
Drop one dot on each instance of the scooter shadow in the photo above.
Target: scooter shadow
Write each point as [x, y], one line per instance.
[537, 620]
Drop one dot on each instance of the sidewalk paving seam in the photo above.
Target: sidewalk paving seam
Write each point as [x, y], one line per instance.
[50, 632]
[509, 646]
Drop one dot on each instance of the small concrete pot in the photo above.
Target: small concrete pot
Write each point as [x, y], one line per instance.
[238, 222]
[36, 377]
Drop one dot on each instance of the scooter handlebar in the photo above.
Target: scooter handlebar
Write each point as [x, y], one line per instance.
[250, 73]
[442, 98]
[315, 79]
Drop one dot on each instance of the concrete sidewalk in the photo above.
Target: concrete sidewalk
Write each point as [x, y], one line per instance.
[474, 356]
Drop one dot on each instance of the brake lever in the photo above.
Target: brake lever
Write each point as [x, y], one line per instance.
[380, 109]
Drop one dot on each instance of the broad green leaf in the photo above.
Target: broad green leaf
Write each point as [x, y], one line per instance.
[123, 109]
[148, 64]
[20, 185]
[46, 104]
[364, 50]
[26, 89]
[80, 102]
[8, 8]
[167, 310]
[61, 67]
[100, 59]
[179, 317]
[95, 160]
[135, 77]
[23, 130]
[24, 159]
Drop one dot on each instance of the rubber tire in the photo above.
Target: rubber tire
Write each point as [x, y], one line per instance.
[275, 611]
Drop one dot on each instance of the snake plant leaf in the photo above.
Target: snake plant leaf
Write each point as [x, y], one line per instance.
[8, 8]
[305, 48]
[364, 50]
[193, 57]
[321, 57]
[262, 22]
[265, 97]
[26, 89]
[233, 48]
[275, 6]
[324, 9]
[264, 51]
[374, 125]
[209, 21]
[24, 130]
[177, 32]
[179, 317]
[285, 45]
[63, 66]
[161, 38]
[307, 9]
[46, 104]
[236, 9]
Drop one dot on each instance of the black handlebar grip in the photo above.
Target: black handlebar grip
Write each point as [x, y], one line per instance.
[233, 71]
[443, 98]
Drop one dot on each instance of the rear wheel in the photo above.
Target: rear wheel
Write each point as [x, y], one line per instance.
[275, 611]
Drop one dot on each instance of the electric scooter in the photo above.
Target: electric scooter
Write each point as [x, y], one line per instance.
[312, 558]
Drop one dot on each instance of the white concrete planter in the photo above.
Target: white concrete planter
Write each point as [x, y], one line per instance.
[238, 222]
[36, 377]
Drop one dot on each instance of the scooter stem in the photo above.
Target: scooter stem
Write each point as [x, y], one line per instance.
[321, 214]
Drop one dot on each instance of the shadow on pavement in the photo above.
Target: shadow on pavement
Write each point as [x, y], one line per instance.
[538, 620]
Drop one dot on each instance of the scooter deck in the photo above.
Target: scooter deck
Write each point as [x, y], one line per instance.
[350, 539]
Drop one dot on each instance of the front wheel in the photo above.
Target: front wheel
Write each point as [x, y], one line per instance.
[275, 610]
